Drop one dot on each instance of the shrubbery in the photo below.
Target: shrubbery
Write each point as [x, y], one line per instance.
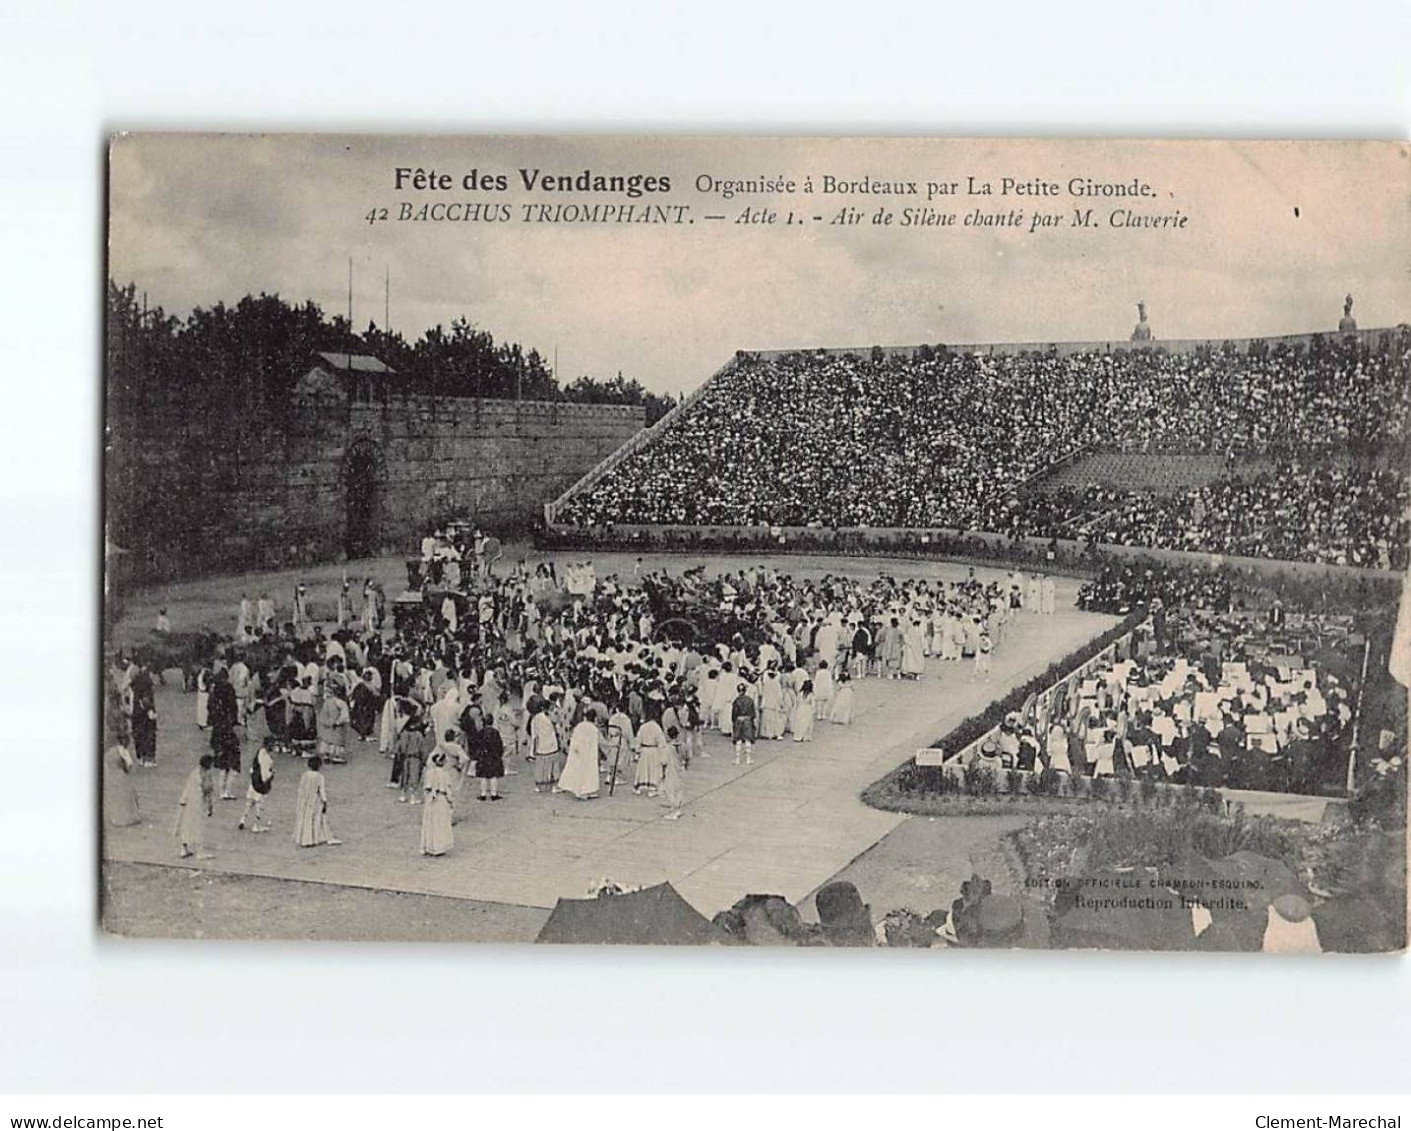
[910, 787]
[1127, 838]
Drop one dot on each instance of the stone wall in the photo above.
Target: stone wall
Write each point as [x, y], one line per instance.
[326, 478]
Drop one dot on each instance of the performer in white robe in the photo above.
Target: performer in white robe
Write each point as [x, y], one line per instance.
[651, 758]
[388, 727]
[421, 687]
[913, 658]
[437, 834]
[618, 749]
[793, 687]
[984, 645]
[708, 689]
[724, 697]
[194, 808]
[489, 694]
[580, 772]
[822, 691]
[267, 614]
[802, 721]
[369, 607]
[842, 700]
[771, 706]
[825, 642]
[446, 711]
[544, 747]
[311, 809]
[507, 723]
[333, 718]
[673, 787]
[244, 684]
[1057, 748]
[955, 638]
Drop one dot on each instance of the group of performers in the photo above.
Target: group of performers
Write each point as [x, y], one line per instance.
[585, 691]
[451, 557]
[259, 619]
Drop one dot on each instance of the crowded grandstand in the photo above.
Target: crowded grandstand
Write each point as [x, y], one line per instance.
[1302, 442]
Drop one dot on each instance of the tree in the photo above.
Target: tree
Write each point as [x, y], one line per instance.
[589, 390]
[223, 364]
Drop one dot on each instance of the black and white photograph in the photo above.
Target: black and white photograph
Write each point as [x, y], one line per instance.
[748, 541]
[705, 566]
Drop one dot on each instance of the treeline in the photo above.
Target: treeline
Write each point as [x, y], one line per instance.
[251, 354]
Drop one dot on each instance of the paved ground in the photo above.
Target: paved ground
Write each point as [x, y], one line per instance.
[786, 825]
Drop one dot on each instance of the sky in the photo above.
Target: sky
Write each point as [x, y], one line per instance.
[1275, 235]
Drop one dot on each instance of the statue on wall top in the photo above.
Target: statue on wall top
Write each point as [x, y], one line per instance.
[1348, 322]
[1142, 333]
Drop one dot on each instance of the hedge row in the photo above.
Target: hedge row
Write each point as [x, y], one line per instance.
[979, 782]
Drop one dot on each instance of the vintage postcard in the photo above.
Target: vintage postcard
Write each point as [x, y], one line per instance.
[888, 542]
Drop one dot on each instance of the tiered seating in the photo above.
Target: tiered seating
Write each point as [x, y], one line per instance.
[940, 439]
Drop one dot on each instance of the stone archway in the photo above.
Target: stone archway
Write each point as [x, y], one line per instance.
[364, 476]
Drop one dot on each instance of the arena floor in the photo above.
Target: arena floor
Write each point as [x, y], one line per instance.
[786, 825]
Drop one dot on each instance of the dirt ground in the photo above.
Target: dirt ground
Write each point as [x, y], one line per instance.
[156, 901]
[921, 864]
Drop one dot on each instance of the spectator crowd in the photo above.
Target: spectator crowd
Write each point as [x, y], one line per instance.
[945, 439]
[1295, 511]
[1122, 586]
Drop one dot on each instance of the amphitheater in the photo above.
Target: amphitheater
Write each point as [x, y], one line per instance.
[756, 466]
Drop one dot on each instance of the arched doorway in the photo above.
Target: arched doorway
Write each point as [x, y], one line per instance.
[364, 471]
